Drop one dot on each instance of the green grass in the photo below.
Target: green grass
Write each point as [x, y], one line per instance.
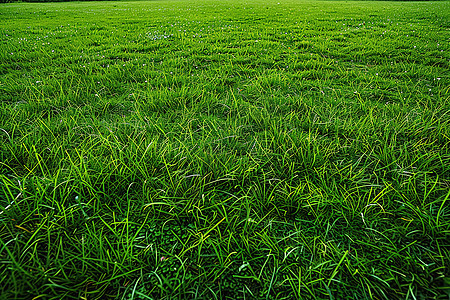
[232, 150]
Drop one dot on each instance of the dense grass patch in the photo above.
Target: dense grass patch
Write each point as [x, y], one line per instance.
[170, 149]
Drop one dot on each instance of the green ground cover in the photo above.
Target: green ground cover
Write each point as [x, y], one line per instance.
[206, 150]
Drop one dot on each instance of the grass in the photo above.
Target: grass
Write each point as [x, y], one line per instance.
[257, 150]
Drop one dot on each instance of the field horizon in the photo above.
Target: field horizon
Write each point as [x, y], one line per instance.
[232, 150]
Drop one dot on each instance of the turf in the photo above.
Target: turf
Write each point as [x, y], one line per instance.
[232, 150]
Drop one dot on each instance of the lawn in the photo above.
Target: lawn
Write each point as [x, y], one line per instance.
[225, 150]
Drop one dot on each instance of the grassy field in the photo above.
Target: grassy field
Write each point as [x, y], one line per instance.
[232, 150]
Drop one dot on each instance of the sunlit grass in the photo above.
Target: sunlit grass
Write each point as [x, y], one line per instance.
[169, 149]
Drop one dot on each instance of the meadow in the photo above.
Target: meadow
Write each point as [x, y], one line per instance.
[225, 150]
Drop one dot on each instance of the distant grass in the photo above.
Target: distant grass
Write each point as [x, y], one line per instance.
[180, 150]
